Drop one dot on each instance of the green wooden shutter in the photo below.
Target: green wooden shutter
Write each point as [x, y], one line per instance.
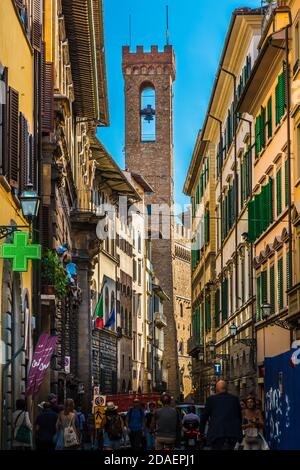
[277, 119]
[206, 226]
[207, 313]
[270, 118]
[251, 226]
[280, 284]
[202, 324]
[272, 289]
[262, 128]
[217, 308]
[279, 192]
[288, 277]
[281, 95]
[264, 287]
[257, 136]
[224, 299]
[286, 183]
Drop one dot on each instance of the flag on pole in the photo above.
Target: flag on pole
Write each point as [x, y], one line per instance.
[99, 313]
[112, 319]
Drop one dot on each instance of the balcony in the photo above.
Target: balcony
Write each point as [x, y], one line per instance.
[294, 302]
[160, 319]
[194, 346]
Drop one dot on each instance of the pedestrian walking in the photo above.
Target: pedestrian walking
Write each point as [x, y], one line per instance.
[253, 425]
[52, 399]
[45, 427]
[223, 411]
[22, 427]
[135, 423]
[67, 437]
[150, 427]
[113, 428]
[80, 424]
[167, 425]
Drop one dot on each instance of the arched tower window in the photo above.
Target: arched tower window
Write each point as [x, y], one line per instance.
[148, 117]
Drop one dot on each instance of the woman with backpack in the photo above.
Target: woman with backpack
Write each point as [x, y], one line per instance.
[22, 427]
[67, 437]
[113, 428]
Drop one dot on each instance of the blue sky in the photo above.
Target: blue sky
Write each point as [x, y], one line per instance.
[197, 29]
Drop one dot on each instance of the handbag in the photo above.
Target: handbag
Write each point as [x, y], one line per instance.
[251, 435]
[70, 436]
[23, 434]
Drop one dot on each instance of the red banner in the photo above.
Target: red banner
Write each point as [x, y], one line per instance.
[40, 363]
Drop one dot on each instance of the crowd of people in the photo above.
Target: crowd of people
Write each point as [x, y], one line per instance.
[226, 423]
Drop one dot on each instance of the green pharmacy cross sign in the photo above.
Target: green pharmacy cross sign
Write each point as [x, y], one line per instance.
[20, 251]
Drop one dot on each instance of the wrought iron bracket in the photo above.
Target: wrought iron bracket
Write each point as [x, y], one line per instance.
[247, 341]
[282, 324]
[6, 230]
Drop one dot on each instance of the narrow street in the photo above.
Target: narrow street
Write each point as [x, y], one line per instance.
[150, 227]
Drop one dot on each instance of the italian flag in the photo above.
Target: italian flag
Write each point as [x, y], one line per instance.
[98, 314]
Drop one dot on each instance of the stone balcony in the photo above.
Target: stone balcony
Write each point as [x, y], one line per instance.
[194, 346]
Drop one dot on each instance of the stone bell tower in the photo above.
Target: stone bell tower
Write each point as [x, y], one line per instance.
[149, 78]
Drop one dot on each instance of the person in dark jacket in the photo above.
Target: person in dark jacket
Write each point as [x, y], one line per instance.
[223, 411]
[46, 428]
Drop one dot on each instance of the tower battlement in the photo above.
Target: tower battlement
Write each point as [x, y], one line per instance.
[138, 62]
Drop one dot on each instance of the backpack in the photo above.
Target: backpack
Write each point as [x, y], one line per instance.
[114, 427]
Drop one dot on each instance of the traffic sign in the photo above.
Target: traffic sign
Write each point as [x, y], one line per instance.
[96, 390]
[218, 369]
[99, 415]
[99, 400]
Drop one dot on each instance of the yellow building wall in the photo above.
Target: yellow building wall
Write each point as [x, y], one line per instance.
[17, 54]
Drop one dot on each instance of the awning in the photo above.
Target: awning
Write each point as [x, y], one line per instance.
[84, 26]
[108, 171]
[267, 56]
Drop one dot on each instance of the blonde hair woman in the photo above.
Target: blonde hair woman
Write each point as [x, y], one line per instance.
[65, 427]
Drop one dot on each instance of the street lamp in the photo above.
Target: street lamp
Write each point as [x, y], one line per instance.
[30, 203]
[201, 356]
[189, 366]
[233, 330]
[266, 310]
[211, 346]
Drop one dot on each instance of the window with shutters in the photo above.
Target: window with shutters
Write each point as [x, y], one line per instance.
[270, 118]
[217, 308]
[207, 226]
[286, 183]
[297, 47]
[243, 279]
[280, 283]
[280, 97]
[13, 137]
[272, 289]
[225, 299]
[264, 287]
[288, 274]
[202, 323]
[207, 313]
[260, 212]
[279, 191]
[36, 24]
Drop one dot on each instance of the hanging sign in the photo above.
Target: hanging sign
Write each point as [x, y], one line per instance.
[40, 363]
[20, 251]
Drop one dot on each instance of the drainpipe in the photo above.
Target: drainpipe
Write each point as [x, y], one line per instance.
[235, 180]
[288, 105]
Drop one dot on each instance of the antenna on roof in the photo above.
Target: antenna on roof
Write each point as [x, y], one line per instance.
[167, 25]
[129, 28]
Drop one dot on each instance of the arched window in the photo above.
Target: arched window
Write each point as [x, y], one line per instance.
[148, 118]
[106, 304]
[181, 310]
